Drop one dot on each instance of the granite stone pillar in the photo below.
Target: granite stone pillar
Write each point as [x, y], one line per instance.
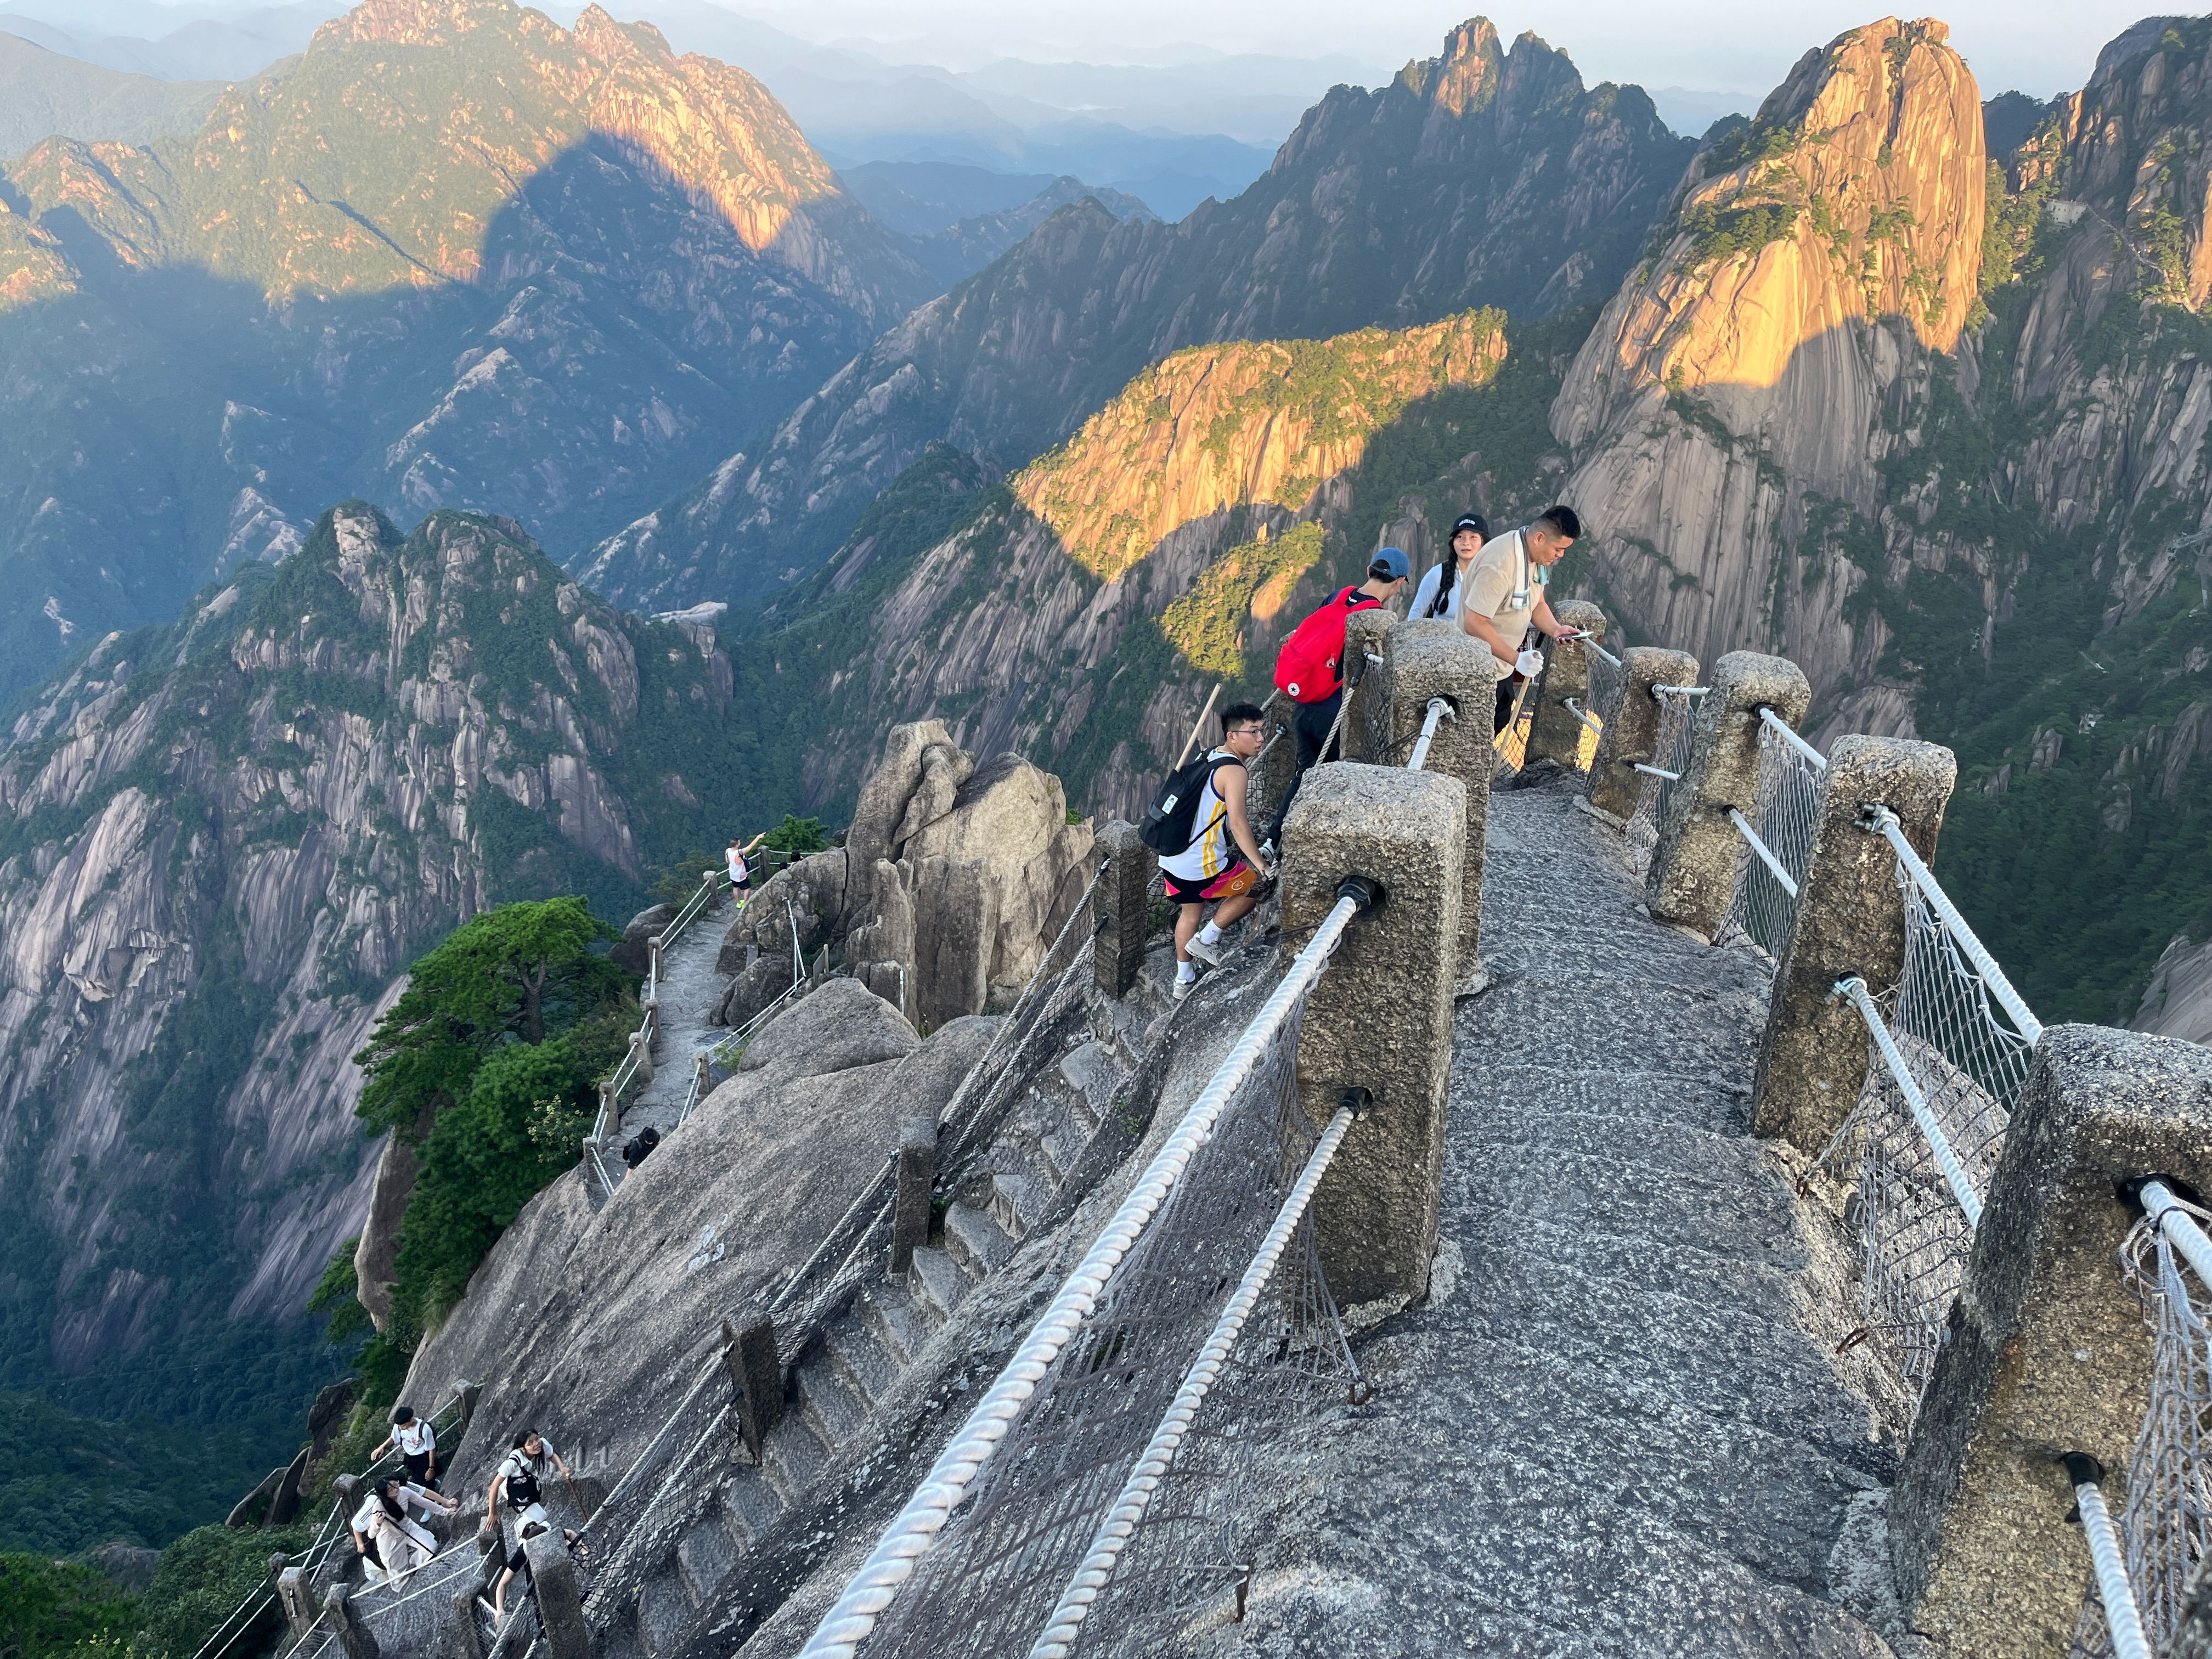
[297, 1599]
[466, 1641]
[1379, 1019]
[1693, 868]
[2047, 1352]
[1366, 695]
[1850, 920]
[917, 1183]
[1632, 733]
[560, 1598]
[1444, 662]
[1557, 733]
[756, 1376]
[1123, 903]
[354, 1638]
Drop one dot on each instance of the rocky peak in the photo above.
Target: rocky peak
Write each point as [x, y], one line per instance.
[1464, 75]
[2137, 150]
[414, 22]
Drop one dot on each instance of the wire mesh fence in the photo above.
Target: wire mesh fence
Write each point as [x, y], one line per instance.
[1670, 756]
[1763, 907]
[1608, 680]
[1968, 1064]
[2166, 1525]
[994, 1574]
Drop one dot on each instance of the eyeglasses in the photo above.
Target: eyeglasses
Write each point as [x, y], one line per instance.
[1246, 730]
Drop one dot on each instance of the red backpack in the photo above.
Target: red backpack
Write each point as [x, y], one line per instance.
[1307, 668]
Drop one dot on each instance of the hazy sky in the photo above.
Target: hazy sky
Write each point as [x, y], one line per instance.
[2041, 46]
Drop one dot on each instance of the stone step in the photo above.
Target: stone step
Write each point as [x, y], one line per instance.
[976, 1241]
[1020, 1198]
[792, 1455]
[939, 1287]
[888, 1312]
[748, 1507]
[830, 1408]
[704, 1556]
[1093, 1072]
[864, 1363]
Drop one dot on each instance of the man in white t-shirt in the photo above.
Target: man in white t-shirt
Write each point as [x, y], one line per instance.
[416, 1445]
[1506, 598]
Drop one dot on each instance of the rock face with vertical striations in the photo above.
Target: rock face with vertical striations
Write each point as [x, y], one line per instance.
[1479, 177]
[1753, 365]
[225, 840]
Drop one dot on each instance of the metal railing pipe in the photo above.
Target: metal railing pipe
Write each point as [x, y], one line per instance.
[1884, 822]
[1765, 852]
[1438, 710]
[1947, 1160]
[2172, 1217]
[1774, 722]
[2123, 1619]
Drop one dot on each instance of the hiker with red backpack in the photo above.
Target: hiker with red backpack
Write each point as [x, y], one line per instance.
[1309, 668]
[1208, 853]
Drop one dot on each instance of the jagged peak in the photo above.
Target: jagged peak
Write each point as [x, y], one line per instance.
[1464, 75]
[419, 22]
[597, 34]
[2139, 40]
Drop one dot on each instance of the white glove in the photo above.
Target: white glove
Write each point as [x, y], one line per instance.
[1531, 665]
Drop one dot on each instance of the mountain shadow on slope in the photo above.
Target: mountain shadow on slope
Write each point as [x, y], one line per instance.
[1480, 177]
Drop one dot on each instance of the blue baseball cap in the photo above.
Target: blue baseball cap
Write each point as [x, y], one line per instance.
[1389, 564]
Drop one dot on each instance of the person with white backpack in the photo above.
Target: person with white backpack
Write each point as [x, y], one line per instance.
[518, 1484]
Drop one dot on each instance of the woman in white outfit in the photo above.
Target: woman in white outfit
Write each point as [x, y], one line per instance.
[1442, 589]
[385, 1536]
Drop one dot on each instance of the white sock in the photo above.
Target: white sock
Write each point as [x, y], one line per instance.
[1210, 934]
[1186, 971]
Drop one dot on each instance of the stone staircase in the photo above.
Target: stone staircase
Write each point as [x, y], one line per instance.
[866, 1345]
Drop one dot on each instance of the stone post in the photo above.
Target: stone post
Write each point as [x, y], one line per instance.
[354, 1640]
[560, 1598]
[468, 1635]
[469, 1392]
[297, 1599]
[2047, 1352]
[1556, 735]
[1850, 920]
[641, 1045]
[610, 1122]
[1693, 868]
[1379, 1020]
[755, 1373]
[1428, 661]
[917, 1183]
[1121, 904]
[1277, 766]
[1366, 692]
[1632, 733]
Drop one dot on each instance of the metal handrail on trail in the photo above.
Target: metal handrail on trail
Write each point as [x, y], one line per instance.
[247, 1614]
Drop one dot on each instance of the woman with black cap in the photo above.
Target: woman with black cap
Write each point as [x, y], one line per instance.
[1438, 595]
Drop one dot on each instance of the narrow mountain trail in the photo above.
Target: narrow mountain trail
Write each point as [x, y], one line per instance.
[689, 989]
[1609, 1432]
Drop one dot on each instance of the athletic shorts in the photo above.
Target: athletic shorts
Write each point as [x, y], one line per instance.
[744, 885]
[1238, 877]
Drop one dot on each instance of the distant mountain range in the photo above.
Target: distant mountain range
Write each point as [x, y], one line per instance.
[45, 93]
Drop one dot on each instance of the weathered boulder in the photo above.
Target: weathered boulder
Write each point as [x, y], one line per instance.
[377, 1256]
[592, 1327]
[635, 950]
[882, 803]
[943, 770]
[880, 952]
[1011, 817]
[956, 921]
[806, 902]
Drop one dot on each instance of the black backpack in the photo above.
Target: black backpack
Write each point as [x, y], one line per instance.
[1170, 822]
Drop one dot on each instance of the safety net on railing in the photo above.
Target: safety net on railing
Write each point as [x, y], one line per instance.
[1670, 757]
[1775, 843]
[1015, 1526]
[1949, 1049]
[2166, 1527]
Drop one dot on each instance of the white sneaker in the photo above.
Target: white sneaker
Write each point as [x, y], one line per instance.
[1208, 954]
[1183, 988]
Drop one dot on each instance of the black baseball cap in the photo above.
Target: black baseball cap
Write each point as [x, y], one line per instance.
[1474, 522]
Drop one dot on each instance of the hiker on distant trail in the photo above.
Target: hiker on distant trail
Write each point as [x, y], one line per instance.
[1443, 587]
[741, 873]
[641, 1147]
[383, 1534]
[418, 1446]
[1308, 669]
[1506, 598]
[1221, 862]
[520, 1484]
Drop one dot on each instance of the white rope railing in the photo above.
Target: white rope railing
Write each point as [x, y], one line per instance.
[1946, 1158]
[1128, 1510]
[1782, 729]
[1439, 711]
[874, 1586]
[2123, 1623]
[1765, 854]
